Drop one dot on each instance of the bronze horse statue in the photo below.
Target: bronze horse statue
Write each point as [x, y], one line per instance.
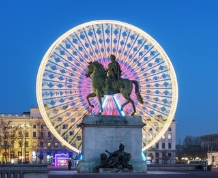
[99, 74]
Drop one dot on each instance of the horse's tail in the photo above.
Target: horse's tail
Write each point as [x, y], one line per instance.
[139, 97]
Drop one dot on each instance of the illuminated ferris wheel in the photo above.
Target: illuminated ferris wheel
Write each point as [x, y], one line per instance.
[62, 87]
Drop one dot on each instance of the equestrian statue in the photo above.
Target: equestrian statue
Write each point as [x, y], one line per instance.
[109, 82]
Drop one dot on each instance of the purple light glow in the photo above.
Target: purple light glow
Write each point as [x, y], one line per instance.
[61, 159]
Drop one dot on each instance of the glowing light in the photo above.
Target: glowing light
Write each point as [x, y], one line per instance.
[103, 105]
[115, 99]
[143, 157]
[61, 159]
[80, 156]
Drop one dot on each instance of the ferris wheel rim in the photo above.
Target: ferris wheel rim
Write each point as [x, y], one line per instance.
[143, 33]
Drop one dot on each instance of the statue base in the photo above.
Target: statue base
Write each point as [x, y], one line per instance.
[100, 133]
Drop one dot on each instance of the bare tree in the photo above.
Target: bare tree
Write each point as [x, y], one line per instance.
[7, 138]
[20, 138]
[191, 148]
[164, 157]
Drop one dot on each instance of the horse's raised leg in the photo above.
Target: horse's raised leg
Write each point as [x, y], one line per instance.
[128, 100]
[99, 93]
[124, 104]
[90, 96]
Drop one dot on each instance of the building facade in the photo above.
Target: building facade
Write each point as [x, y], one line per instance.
[209, 142]
[25, 138]
[212, 157]
[164, 151]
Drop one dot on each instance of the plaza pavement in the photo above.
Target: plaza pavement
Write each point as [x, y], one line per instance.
[64, 173]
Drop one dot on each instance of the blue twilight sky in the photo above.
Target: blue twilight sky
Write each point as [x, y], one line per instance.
[187, 30]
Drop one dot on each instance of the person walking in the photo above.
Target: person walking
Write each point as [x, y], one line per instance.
[69, 164]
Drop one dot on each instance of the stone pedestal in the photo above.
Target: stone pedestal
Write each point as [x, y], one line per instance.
[100, 133]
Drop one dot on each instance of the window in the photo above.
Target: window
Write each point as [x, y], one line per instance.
[163, 137]
[13, 134]
[41, 144]
[20, 143]
[169, 154]
[157, 145]
[41, 134]
[157, 155]
[163, 145]
[163, 154]
[27, 134]
[169, 129]
[169, 136]
[34, 126]
[71, 132]
[26, 144]
[49, 145]
[64, 126]
[56, 144]
[34, 134]
[49, 134]
[12, 143]
[169, 145]
[20, 133]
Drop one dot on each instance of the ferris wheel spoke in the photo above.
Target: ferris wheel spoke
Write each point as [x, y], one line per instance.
[156, 75]
[80, 45]
[148, 67]
[63, 68]
[58, 74]
[100, 56]
[151, 69]
[72, 65]
[60, 106]
[150, 81]
[162, 104]
[67, 111]
[71, 125]
[95, 48]
[116, 39]
[106, 40]
[58, 97]
[157, 110]
[136, 53]
[74, 55]
[71, 140]
[124, 37]
[142, 58]
[157, 95]
[131, 43]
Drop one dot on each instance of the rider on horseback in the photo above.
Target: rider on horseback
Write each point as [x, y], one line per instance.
[122, 86]
[114, 73]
